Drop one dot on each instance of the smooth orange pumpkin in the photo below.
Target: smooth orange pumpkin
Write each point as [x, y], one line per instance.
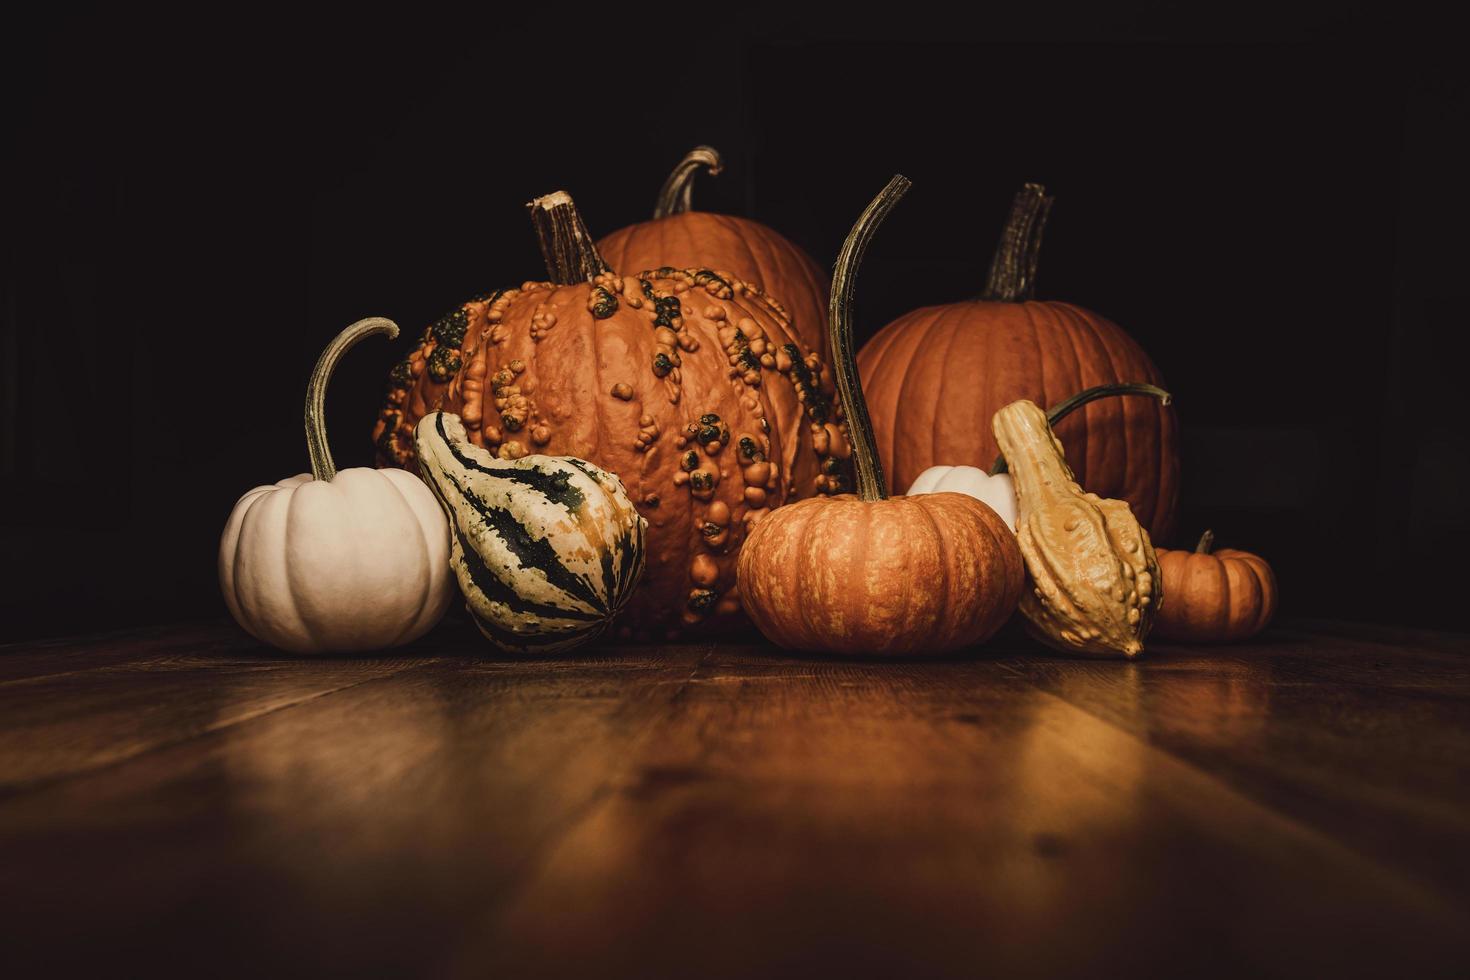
[1214, 596]
[686, 239]
[870, 575]
[687, 384]
[935, 377]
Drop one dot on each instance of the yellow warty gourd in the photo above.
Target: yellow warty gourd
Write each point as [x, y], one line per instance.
[1095, 578]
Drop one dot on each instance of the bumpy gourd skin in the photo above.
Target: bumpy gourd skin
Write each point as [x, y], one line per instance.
[1094, 573]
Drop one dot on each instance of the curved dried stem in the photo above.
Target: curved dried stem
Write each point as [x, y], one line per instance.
[870, 482]
[1062, 409]
[676, 196]
[322, 466]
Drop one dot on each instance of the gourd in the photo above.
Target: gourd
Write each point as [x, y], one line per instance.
[996, 487]
[1094, 575]
[936, 376]
[681, 237]
[686, 383]
[336, 562]
[873, 575]
[1214, 596]
[547, 549]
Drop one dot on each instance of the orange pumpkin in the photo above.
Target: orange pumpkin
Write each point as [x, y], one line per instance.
[686, 239]
[687, 384]
[1214, 596]
[935, 377]
[871, 575]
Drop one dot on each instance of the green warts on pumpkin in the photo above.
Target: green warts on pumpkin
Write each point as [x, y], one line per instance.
[604, 303]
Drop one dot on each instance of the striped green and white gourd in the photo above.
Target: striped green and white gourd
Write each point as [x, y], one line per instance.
[547, 549]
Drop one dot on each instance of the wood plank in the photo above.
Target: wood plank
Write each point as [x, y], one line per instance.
[351, 834]
[947, 819]
[1366, 743]
[668, 811]
[212, 638]
[109, 698]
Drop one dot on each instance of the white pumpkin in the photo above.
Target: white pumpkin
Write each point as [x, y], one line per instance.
[329, 562]
[996, 490]
[547, 549]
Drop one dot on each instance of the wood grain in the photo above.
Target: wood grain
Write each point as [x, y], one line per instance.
[185, 802]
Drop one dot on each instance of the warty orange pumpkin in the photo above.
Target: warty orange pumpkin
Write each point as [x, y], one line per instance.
[935, 377]
[681, 237]
[873, 575]
[688, 384]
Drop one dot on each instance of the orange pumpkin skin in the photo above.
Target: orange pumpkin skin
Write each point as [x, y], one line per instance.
[748, 249]
[935, 377]
[1219, 597]
[686, 384]
[903, 576]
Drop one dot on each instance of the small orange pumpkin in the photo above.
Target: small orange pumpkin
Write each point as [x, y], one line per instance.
[1214, 596]
[869, 574]
[681, 237]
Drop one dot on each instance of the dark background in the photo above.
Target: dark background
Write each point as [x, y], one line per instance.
[1274, 206]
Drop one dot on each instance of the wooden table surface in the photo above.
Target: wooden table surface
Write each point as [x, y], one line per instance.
[184, 801]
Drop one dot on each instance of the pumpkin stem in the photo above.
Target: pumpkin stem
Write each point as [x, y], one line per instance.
[1013, 268]
[566, 244]
[1206, 543]
[675, 197]
[322, 467]
[870, 482]
[1062, 409]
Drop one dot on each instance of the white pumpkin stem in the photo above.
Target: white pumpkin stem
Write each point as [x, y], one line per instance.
[567, 246]
[1062, 409]
[1013, 267]
[870, 482]
[322, 467]
[676, 196]
[1206, 543]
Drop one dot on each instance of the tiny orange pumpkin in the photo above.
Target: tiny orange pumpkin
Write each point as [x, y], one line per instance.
[1214, 596]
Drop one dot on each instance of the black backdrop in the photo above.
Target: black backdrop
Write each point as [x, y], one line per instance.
[193, 209]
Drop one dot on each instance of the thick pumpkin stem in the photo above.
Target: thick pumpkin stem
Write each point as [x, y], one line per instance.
[870, 482]
[322, 467]
[1013, 268]
[676, 196]
[1206, 543]
[566, 244]
[1062, 409]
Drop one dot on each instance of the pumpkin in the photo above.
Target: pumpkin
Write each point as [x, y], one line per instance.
[935, 377]
[1095, 578]
[1214, 596]
[686, 239]
[686, 383]
[873, 575]
[996, 487]
[336, 562]
[547, 549]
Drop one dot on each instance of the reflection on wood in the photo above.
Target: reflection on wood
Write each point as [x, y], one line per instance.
[1296, 807]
